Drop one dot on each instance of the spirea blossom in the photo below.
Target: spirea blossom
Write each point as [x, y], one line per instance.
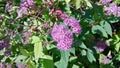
[111, 9]
[8, 65]
[60, 14]
[105, 1]
[21, 65]
[105, 59]
[8, 5]
[21, 11]
[5, 44]
[2, 65]
[101, 45]
[74, 24]
[24, 6]
[7, 53]
[28, 4]
[62, 36]
[118, 13]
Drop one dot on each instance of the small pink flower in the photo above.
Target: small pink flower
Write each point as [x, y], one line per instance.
[21, 11]
[101, 45]
[62, 36]
[74, 24]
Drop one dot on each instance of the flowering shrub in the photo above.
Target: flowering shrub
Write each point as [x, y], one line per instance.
[59, 34]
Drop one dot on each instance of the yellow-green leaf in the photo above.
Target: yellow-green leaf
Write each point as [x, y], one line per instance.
[88, 3]
[38, 51]
[67, 1]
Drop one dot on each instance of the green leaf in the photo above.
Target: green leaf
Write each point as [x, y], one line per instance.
[65, 55]
[78, 4]
[46, 57]
[88, 3]
[72, 50]
[117, 47]
[35, 39]
[98, 29]
[118, 57]
[75, 66]
[31, 64]
[38, 51]
[83, 52]
[25, 52]
[90, 56]
[117, 39]
[82, 45]
[67, 1]
[63, 63]
[48, 63]
[19, 58]
[72, 58]
[107, 27]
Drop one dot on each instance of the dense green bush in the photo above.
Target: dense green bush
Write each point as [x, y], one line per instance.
[59, 34]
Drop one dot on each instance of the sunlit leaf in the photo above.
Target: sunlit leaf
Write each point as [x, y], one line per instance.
[38, 51]
[88, 3]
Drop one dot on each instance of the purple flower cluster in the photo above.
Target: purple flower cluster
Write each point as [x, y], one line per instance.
[101, 45]
[5, 44]
[62, 36]
[28, 4]
[110, 8]
[8, 5]
[105, 59]
[59, 14]
[21, 66]
[105, 1]
[24, 6]
[8, 65]
[21, 11]
[72, 22]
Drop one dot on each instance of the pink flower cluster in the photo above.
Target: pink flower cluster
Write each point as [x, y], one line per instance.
[101, 45]
[28, 4]
[105, 59]
[105, 1]
[24, 6]
[21, 11]
[61, 14]
[110, 8]
[72, 22]
[62, 35]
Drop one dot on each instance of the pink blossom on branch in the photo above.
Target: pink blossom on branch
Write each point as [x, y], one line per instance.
[62, 36]
[101, 45]
[28, 4]
[21, 11]
[74, 24]
[105, 1]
